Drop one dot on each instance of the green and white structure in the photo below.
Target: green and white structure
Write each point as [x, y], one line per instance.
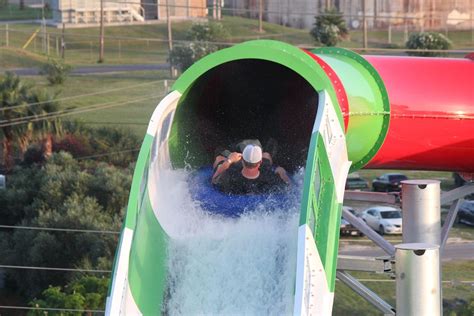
[330, 111]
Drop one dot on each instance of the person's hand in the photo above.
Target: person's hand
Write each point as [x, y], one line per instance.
[234, 157]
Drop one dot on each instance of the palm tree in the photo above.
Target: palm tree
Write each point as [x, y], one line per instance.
[17, 101]
[45, 129]
[13, 95]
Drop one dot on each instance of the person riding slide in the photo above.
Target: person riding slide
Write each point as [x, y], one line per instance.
[251, 171]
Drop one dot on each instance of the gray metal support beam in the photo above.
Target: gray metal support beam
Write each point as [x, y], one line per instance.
[369, 232]
[421, 211]
[368, 264]
[365, 292]
[366, 196]
[418, 280]
[448, 222]
[458, 193]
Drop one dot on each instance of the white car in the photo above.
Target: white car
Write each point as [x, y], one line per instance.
[384, 219]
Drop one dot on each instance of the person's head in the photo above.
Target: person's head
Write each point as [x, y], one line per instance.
[252, 156]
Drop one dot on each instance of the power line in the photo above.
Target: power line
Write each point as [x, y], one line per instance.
[107, 154]
[22, 118]
[54, 269]
[75, 111]
[114, 123]
[52, 309]
[61, 229]
[77, 96]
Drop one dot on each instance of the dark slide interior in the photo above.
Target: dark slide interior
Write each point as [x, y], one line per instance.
[247, 99]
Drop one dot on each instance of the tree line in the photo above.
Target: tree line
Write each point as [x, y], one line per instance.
[60, 175]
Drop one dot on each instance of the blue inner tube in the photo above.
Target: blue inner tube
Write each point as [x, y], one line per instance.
[232, 205]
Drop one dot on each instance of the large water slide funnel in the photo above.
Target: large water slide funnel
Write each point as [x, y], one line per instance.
[392, 112]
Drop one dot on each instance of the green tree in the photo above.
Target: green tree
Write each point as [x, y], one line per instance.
[424, 41]
[64, 194]
[202, 38]
[56, 71]
[85, 293]
[329, 28]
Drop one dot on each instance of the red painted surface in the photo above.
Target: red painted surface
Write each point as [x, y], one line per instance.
[432, 113]
[337, 85]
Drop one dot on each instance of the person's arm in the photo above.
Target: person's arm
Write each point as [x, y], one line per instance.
[283, 175]
[233, 158]
[267, 156]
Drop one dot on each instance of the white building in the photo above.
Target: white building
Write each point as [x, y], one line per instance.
[84, 12]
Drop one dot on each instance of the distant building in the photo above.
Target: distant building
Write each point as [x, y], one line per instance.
[84, 12]
[427, 14]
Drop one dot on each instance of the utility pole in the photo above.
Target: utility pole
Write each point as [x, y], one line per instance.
[170, 36]
[43, 27]
[101, 40]
[63, 43]
[364, 19]
[6, 35]
[214, 9]
[260, 16]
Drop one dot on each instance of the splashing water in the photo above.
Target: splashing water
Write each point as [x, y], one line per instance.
[228, 266]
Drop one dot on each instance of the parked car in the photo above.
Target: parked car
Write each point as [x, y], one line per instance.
[383, 219]
[356, 182]
[466, 213]
[346, 227]
[389, 182]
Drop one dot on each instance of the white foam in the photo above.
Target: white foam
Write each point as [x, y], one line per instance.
[227, 266]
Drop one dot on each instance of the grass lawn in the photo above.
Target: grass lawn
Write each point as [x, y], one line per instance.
[18, 58]
[132, 96]
[12, 12]
[148, 43]
[347, 302]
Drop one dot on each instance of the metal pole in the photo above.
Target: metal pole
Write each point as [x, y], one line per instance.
[260, 15]
[418, 280]
[390, 31]
[170, 37]
[365, 292]
[472, 23]
[63, 43]
[101, 39]
[6, 35]
[43, 28]
[364, 21]
[421, 211]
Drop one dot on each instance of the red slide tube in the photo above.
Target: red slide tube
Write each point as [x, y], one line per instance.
[431, 114]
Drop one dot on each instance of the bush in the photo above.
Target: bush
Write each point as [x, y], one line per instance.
[55, 71]
[183, 56]
[428, 40]
[329, 28]
[201, 35]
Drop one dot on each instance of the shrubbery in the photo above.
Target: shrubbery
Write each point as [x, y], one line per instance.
[329, 28]
[428, 40]
[55, 71]
[61, 193]
[201, 37]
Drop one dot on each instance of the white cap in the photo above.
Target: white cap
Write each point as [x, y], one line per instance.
[252, 154]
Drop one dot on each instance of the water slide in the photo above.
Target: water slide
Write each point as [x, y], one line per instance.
[332, 111]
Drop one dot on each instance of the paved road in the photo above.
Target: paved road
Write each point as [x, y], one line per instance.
[453, 251]
[95, 69]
